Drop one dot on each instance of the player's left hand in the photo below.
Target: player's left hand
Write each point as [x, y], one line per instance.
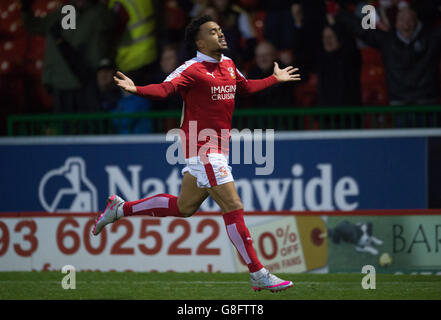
[287, 74]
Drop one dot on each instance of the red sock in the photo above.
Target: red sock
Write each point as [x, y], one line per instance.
[160, 205]
[241, 239]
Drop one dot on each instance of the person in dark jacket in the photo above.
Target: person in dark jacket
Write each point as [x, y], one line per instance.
[338, 70]
[411, 56]
[90, 36]
[278, 96]
[168, 62]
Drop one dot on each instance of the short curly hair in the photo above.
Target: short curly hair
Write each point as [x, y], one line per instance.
[192, 30]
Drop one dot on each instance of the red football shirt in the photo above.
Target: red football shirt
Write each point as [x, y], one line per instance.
[208, 88]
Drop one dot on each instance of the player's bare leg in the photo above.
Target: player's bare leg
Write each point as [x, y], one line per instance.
[191, 196]
[226, 196]
[228, 199]
[161, 205]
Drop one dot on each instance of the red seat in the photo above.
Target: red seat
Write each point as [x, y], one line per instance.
[11, 85]
[10, 16]
[248, 4]
[5, 21]
[42, 7]
[10, 66]
[21, 56]
[4, 6]
[306, 93]
[38, 94]
[6, 66]
[258, 20]
[16, 28]
[13, 48]
[175, 17]
[373, 81]
[52, 4]
[370, 56]
[37, 45]
[34, 67]
[12, 7]
[372, 75]
[374, 95]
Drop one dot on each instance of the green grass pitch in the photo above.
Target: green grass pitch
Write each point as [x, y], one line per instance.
[212, 286]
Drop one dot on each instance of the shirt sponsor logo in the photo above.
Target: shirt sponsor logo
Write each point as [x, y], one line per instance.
[226, 92]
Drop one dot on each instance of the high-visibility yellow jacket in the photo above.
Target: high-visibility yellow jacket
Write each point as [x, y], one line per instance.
[137, 47]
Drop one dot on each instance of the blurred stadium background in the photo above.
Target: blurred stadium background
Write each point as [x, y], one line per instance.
[357, 179]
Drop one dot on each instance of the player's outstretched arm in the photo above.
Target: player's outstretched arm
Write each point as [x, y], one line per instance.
[287, 74]
[151, 91]
[247, 87]
[124, 82]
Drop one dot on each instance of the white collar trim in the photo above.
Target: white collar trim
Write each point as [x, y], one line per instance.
[204, 57]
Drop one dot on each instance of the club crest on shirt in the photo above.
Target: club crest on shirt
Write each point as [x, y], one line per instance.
[223, 172]
[232, 74]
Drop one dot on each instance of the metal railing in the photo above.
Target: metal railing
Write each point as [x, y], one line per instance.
[366, 117]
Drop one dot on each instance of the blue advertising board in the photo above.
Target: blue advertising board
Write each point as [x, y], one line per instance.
[314, 171]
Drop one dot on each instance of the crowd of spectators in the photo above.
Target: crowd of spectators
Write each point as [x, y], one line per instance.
[46, 68]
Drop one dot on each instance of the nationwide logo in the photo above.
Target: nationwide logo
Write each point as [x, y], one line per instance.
[323, 190]
[67, 189]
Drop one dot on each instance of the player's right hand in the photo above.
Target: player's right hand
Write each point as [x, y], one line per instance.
[124, 82]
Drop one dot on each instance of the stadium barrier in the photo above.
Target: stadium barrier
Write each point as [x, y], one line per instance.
[367, 117]
[393, 241]
[316, 170]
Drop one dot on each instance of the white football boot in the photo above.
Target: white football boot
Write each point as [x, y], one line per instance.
[109, 214]
[270, 282]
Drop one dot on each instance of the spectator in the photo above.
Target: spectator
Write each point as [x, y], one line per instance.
[130, 103]
[278, 23]
[338, 70]
[102, 94]
[168, 63]
[296, 25]
[112, 99]
[195, 8]
[388, 10]
[68, 87]
[237, 27]
[279, 95]
[411, 55]
[173, 17]
[108, 92]
[134, 37]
